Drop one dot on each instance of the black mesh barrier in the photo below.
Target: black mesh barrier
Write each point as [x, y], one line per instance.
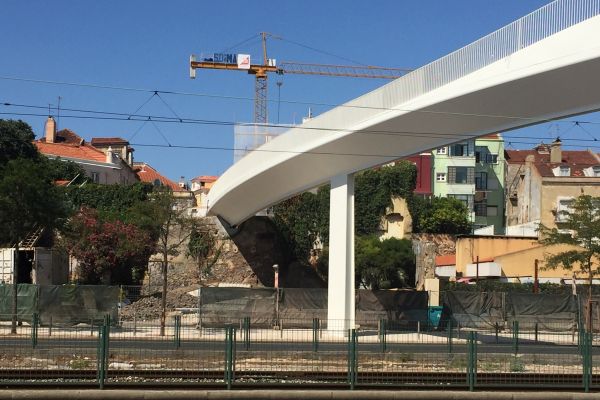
[73, 304]
[27, 296]
[221, 306]
[480, 310]
[299, 306]
[546, 311]
[401, 308]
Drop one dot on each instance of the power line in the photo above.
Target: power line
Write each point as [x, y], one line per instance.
[119, 116]
[125, 88]
[160, 119]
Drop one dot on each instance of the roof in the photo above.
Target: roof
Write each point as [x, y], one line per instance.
[205, 178]
[491, 136]
[442, 261]
[108, 141]
[66, 136]
[576, 160]
[149, 175]
[80, 152]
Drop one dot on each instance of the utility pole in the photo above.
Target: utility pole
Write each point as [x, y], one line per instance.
[536, 282]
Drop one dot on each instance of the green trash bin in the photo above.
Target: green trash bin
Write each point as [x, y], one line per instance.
[435, 315]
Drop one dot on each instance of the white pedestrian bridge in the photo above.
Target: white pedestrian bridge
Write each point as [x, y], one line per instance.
[544, 66]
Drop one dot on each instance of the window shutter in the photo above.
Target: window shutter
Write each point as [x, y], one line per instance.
[452, 174]
[470, 175]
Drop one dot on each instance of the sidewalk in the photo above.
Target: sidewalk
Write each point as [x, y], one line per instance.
[137, 394]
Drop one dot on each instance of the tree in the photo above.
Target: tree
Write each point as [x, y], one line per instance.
[28, 200]
[580, 228]
[16, 141]
[442, 215]
[108, 251]
[175, 228]
[202, 247]
[384, 264]
[379, 264]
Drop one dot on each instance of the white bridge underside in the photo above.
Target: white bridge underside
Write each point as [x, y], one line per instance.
[552, 78]
[530, 71]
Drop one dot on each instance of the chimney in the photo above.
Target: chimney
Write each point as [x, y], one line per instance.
[555, 151]
[109, 155]
[50, 130]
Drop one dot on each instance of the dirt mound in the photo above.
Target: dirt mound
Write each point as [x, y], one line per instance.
[148, 307]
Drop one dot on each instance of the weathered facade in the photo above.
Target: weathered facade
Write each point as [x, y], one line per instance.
[543, 181]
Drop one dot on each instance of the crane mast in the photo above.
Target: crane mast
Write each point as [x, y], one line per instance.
[241, 62]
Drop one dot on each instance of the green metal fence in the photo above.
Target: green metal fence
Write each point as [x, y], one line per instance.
[375, 354]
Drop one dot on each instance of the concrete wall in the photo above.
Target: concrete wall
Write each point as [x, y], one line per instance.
[488, 247]
[522, 263]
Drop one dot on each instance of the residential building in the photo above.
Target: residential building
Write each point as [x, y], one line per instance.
[473, 172]
[146, 173]
[423, 163]
[118, 146]
[543, 181]
[104, 167]
[200, 187]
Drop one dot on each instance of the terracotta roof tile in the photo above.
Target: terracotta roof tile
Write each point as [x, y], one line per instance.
[576, 160]
[148, 174]
[83, 152]
[108, 140]
[205, 178]
[449, 259]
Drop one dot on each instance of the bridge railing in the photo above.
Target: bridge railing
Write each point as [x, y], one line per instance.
[532, 28]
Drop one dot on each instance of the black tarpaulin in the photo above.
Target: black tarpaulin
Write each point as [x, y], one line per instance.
[548, 311]
[474, 309]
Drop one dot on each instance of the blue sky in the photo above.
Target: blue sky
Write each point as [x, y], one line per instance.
[146, 44]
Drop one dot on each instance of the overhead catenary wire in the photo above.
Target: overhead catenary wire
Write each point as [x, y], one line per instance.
[109, 115]
[227, 97]
[162, 119]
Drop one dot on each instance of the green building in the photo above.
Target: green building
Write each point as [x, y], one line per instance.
[473, 172]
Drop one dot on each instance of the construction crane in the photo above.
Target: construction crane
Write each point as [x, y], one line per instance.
[241, 62]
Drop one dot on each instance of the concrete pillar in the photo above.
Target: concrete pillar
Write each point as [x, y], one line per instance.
[341, 292]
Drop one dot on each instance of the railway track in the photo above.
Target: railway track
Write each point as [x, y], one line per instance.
[304, 379]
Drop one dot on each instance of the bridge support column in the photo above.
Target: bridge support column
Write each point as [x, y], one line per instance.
[340, 294]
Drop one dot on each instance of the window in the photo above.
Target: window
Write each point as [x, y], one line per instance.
[492, 182]
[492, 211]
[596, 171]
[565, 171]
[461, 175]
[491, 158]
[480, 208]
[563, 207]
[440, 177]
[442, 150]
[95, 177]
[481, 180]
[460, 150]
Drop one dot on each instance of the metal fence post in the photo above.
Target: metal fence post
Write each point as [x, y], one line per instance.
[449, 336]
[352, 358]
[177, 331]
[497, 329]
[316, 325]
[472, 360]
[515, 336]
[383, 334]
[587, 361]
[34, 329]
[536, 332]
[246, 332]
[229, 355]
[102, 354]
